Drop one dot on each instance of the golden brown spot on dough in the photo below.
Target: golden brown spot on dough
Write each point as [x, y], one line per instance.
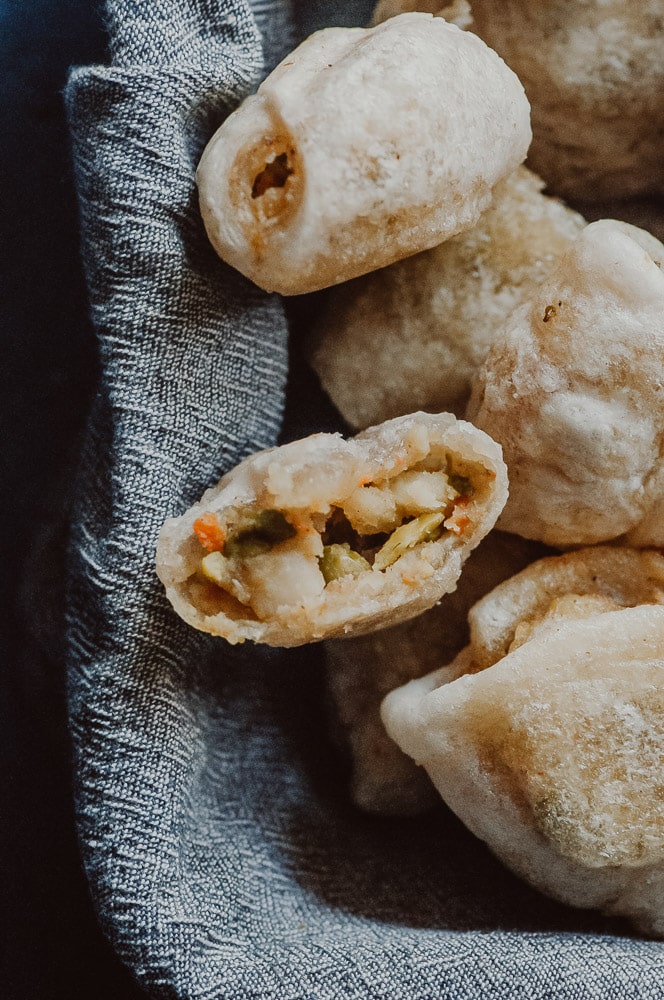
[558, 770]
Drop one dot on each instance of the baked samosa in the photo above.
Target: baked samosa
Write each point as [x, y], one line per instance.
[572, 389]
[327, 536]
[363, 146]
[555, 757]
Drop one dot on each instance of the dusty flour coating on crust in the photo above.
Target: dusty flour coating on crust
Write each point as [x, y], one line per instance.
[329, 537]
[554, 755]
[414, 334]
[406, 128]
[572, 388]
[594, 74]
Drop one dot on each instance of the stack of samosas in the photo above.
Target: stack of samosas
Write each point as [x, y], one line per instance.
[520, 670]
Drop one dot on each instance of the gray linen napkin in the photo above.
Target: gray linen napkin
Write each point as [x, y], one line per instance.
[223, 857]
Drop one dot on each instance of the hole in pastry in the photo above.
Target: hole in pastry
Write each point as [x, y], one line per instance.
[339, 531]
[273, 175]
[266, 184]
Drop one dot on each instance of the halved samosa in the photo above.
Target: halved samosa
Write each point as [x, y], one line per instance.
[327, 536]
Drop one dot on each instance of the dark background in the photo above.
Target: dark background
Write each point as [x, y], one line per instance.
[50, 946]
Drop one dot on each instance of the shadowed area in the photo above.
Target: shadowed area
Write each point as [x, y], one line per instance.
[52, 947]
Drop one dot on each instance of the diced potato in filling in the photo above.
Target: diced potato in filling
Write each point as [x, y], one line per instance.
[283, 577]
[383, 507]
[268, 559]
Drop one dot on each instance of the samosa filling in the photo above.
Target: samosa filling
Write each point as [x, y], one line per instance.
[267, 559]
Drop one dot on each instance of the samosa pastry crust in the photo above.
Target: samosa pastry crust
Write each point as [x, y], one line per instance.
[594, 74]
[456, 11]
[611, 575]
[363, 146]
[413, 335]
[363, 669]
[555, 757]
[572, 388]
[326, 537]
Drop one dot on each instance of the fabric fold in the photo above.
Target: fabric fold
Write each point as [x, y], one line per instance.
[193, 365]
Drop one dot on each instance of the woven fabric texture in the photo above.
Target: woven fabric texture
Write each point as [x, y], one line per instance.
[223, 856]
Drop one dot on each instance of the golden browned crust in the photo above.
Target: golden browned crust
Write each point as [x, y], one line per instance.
[625, 577]
[553, 756]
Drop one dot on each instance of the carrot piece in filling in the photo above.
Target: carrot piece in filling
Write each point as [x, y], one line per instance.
[210, 533]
